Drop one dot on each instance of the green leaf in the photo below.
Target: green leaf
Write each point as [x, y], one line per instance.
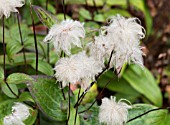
[19, 60]
[5, 108]
[90, 117]
[1, 74]
[116, 84]
[167, 120]
[85, 14]
[48, 96]
[7, 91]
[12, 48]
[32, 118]
[143, 81]
[43, 67]
[72, 117]
[114, 12]
[151, 118]
[99, 18]
[25, 96]
[117, 2]
[60, 16]
[17, 78]
[45, 17]
[141, 4]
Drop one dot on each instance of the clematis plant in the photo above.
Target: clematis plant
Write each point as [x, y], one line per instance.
[69, 95]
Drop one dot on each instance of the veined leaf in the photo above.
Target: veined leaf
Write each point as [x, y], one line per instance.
[48, 96]
[151, 118]
[43, 67]
[17, 78]
[143, 81]
[7, 91]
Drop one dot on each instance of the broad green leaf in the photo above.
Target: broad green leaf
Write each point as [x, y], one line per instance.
[12, 48]
[1, 74]
[7, 36]
[15, 35]
[43, 67]
[17, 78]
[85, 13]
[25, 96]
[114, 12]
[32, 118]
[5, 108]
[91, 95]
[99, 18]
[60, 16]
[91, 24]
[151, 118]
[19, 60]
[143, 81]
[45, 17]
[117, 2]
[45, 120]
[72, 117]
[116, 84]
[167, 120]
[48, 96]
[90, 117]
[8, 92]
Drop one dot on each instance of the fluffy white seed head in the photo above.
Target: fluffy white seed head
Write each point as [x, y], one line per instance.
[99, 49]
[112, 112]
[12, 120]
[8, 6]
[66, 34]
[20, 112]
[77, 68]
[123, 35]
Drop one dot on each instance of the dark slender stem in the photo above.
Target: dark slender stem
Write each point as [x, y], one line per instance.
[64, 10]
[80, 99]
[94, 3]
[4, 54]
[86, 4]
[146, 113]
[4, 47]
[48, 44]
[61, 85]
[11, 89]
[69, 103]
[106, 67]
[35, 39]
[77, 107]
[97, 97]
[22, 43]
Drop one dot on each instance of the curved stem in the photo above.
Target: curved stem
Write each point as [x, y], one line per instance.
[64, 10]
[61, 86]
[94, 3]
[77, 107]
[146, 113]
[48, 44]
[96, 77]
[69, 103]
[22, 43]
[4, 47]
[35, 39]
[97, 97]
